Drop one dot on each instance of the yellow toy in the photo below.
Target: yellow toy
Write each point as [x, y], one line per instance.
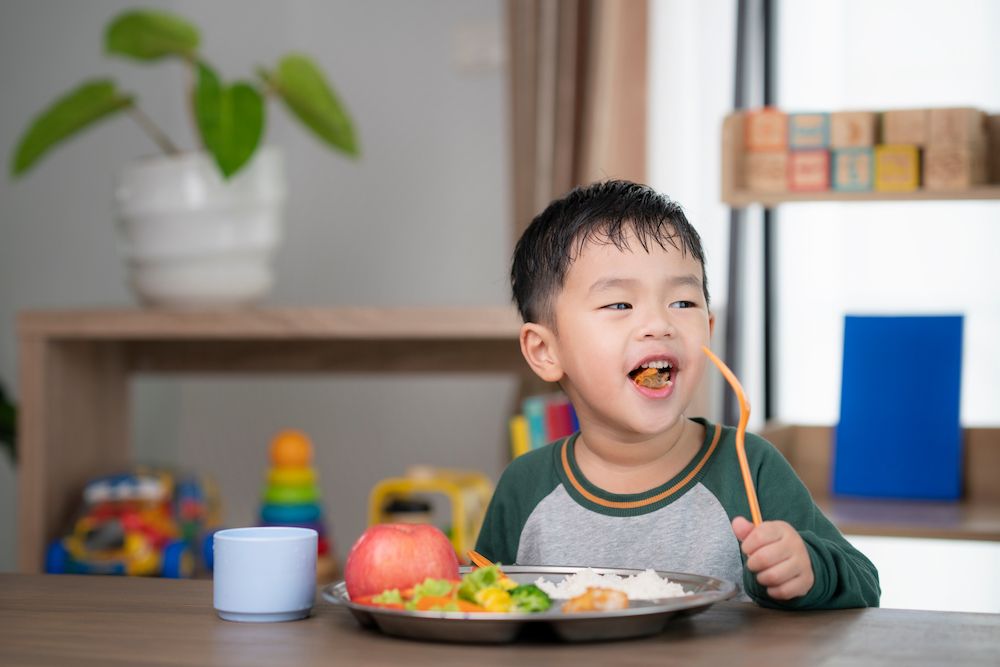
[469, 493]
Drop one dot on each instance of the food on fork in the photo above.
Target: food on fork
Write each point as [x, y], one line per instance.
[653, 378]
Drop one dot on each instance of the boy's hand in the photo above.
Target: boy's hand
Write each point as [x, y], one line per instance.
[777, 555]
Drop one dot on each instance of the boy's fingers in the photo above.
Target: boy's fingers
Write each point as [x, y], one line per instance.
[741, 528]
[777, 574]
[760, 536]
[793, 588]
[767, 556]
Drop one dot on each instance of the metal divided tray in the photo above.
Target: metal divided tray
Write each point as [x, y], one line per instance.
[642, 618]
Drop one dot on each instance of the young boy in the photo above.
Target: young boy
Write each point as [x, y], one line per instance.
[610, 282]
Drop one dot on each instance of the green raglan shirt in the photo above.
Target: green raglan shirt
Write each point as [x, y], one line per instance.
[545, 512]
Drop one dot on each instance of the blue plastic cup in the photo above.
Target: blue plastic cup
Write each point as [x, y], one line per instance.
[264, 574]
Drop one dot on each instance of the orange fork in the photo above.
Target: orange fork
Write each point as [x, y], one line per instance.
[478, 559]
[741, 452]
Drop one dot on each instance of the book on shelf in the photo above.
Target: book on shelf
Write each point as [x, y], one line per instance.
[544, 418]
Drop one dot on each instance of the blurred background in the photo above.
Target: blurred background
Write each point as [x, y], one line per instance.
[428, 213]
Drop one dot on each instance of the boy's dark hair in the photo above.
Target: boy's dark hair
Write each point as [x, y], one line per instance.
[604, 212]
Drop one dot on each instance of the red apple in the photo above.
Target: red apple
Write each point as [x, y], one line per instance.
[398, 555]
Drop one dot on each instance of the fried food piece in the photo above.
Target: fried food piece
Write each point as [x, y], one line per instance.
[597, 599]
[652, 378]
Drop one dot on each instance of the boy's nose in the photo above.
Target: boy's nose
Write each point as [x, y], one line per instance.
[658, 325]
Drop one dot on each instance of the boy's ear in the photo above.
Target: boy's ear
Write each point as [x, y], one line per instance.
[538, 345]
[711, 325]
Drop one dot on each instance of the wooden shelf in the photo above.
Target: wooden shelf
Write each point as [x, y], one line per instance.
[740, 198]
[965, 520]
[75, 368]
[809, 449]
[737, 196]
[350, 323]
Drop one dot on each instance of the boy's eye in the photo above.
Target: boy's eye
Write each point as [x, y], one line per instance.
[683, 304]
[618, 306]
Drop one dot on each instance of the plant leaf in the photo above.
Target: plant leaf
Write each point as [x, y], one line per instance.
[305, 91]
[150, 35]
[230, 120]
[82, 106]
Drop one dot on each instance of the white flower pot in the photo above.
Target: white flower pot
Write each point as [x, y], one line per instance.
[192, 239]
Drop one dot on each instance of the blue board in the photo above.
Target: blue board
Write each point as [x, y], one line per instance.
[899, 434]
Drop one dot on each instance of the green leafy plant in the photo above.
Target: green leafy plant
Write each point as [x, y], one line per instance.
[229, 118]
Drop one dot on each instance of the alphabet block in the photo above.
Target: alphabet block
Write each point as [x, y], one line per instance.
[905, 126]
[809, 170]
[897, 168]
[767, 171]
[853, 169]
[808, 130]
[957, 127]
[850, 129]
[954, 167]
[765, 130]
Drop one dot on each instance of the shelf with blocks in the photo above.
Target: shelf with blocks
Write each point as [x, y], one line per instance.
[736, 193]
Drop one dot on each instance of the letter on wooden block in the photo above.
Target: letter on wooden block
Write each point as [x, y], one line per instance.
[954, 167]
[897, 168]
[905, 126]
[956, 127]
[767, 171]
[851, 129]
[808, 130]
[853, 169]
[809, 170]
[766, 130]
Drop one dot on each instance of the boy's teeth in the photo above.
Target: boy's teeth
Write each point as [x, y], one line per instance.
[657, 364]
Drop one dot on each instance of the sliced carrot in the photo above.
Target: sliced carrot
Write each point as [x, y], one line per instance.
[425, 603]
[370, 601]
[438, 602]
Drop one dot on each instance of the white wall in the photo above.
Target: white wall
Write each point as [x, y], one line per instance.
[690, 91]
[421, 219]
[932, 574]
[886, 258]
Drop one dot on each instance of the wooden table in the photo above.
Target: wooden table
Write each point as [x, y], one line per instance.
[79, 620]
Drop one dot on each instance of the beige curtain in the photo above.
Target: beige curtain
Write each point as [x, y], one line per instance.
[578, 90]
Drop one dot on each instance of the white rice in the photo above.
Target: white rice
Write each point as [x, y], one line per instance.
[646, 585]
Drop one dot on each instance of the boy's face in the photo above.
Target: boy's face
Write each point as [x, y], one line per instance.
[618, 311]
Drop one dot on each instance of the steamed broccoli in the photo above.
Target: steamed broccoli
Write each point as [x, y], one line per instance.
[530, 598]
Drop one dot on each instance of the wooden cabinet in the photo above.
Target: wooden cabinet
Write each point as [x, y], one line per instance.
[75, 368]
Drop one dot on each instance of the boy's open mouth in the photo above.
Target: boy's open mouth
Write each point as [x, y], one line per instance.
[653, 374]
